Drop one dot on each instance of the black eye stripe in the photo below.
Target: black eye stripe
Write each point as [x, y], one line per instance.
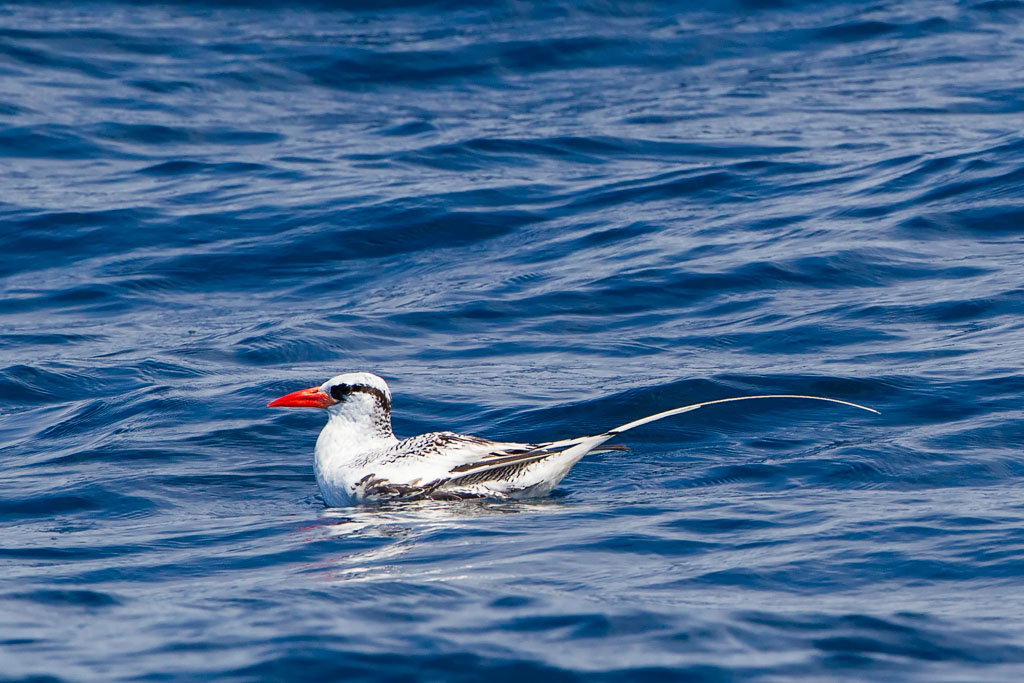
[340, 391]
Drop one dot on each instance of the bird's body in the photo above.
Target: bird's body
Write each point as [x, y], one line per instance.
[358, 458]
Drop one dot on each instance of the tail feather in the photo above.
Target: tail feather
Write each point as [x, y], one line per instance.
[695, 406]
[571, 450]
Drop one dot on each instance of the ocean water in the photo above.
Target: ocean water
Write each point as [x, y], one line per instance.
[535, 220]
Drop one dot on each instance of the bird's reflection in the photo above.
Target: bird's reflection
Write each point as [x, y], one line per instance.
[402, 527]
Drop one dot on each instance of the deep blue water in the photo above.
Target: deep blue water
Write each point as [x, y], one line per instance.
[536, 220]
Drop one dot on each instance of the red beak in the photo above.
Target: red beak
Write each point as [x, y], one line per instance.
[303, 398]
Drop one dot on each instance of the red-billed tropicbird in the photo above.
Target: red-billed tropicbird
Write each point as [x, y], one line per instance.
[358, 457]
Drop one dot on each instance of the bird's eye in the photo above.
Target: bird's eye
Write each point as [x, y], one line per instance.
[340, 391]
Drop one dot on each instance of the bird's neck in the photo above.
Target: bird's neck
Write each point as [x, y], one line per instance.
[359, 425]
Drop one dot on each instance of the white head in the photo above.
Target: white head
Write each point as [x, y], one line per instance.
[360, 398]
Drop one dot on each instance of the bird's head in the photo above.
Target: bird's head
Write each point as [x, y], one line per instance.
[350, 393]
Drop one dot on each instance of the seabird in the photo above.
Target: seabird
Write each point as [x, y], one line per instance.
[359, 459]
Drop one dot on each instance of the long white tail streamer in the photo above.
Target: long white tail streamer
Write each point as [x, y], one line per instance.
[571, 450]
[695, 406]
